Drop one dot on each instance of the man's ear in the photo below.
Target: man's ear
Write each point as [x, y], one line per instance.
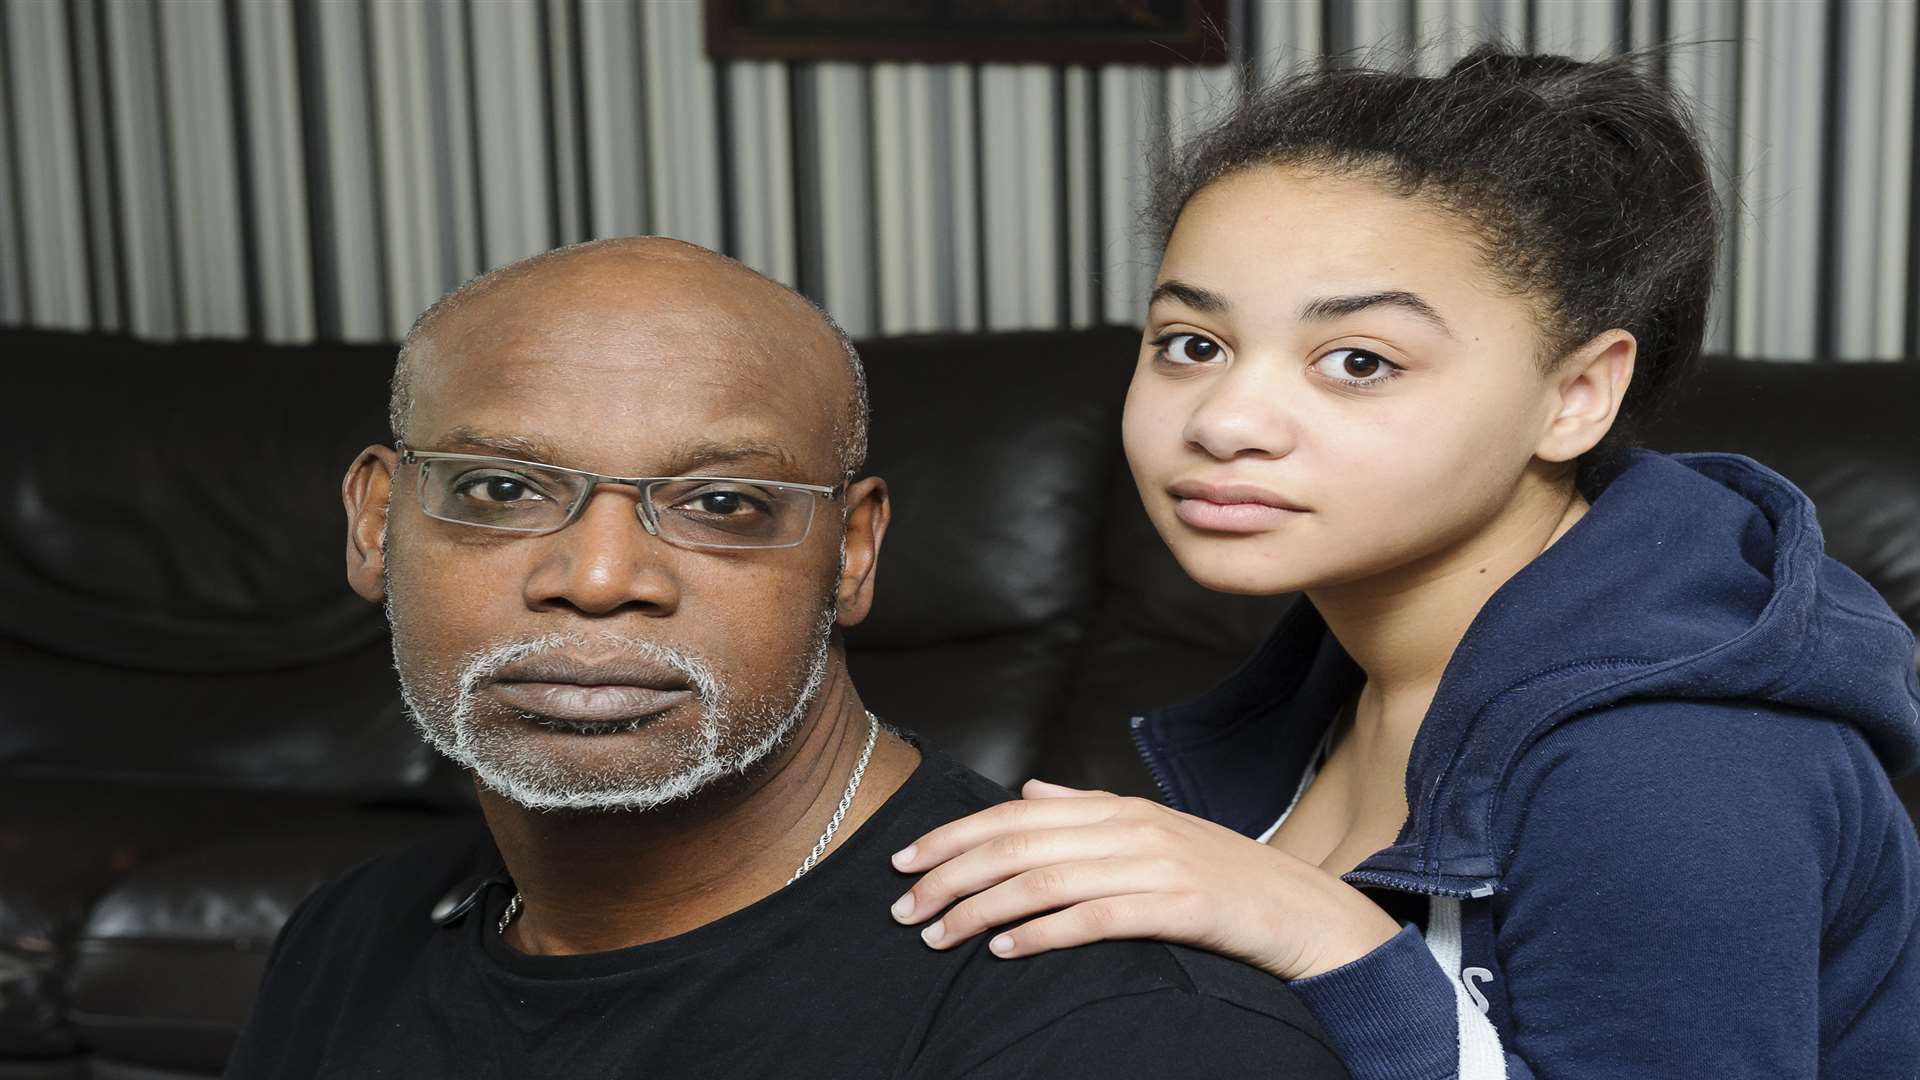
[868, 512]
[1591, 383]
[364, 492]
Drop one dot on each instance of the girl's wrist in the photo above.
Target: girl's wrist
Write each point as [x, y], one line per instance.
[1368, 932]
[1350, 927]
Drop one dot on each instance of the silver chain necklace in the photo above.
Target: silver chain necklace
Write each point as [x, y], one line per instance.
[819, 848]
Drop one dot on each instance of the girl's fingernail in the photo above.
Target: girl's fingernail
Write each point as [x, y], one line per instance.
[933, 933]
[903, 907]
[904, 857]
[1002, 945]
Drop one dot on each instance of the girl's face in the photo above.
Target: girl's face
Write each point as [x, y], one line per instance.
[1332, 388]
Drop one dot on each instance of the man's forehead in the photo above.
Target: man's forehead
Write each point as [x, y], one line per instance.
[628, 330]
[614, 380]
[615, 315]
[666, 287]
[623, 369]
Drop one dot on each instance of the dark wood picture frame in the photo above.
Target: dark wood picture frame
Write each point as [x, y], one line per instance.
[1161, 32]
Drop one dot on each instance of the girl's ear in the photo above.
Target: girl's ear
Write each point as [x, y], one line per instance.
[1591, 384]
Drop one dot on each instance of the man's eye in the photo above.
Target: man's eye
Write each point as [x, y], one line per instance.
[723, 502]
[1188, 349]
[497, 488]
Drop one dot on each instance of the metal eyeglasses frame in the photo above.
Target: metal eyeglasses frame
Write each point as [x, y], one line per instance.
[645, 509]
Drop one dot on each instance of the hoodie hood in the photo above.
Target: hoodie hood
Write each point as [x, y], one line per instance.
[1693, 577]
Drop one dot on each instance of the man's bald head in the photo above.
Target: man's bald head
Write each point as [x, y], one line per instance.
[850, 435]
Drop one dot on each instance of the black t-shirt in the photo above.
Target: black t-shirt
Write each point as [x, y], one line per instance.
[816, 980]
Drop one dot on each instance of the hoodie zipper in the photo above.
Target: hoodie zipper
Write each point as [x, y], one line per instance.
[1399, 884]
[1138, 727]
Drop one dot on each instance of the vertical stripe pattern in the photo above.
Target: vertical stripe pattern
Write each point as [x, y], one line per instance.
[298, 169]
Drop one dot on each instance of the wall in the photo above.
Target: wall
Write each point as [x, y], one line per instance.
[291, 170]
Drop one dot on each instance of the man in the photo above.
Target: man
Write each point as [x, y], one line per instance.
[689, 813]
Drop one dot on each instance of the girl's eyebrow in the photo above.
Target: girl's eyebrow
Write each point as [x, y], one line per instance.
[1316, 310]
[1193, 296]
[1333, 307]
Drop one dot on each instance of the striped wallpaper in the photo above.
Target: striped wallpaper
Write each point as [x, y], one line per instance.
[299, 169]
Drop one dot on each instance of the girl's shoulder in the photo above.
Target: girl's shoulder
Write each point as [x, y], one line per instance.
[1708, 782]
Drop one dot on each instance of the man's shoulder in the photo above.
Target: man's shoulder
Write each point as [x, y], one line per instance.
[1115, 968]
[1124, 1008]
[1241, 986]
[949, 781]
[1070, 979]
[1145, 1003]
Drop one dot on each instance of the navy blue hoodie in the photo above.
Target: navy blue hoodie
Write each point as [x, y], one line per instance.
[1650, 820]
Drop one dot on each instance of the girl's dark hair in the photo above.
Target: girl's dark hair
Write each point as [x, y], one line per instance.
[1584, 182]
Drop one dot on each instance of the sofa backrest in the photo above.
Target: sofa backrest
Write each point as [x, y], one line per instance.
[1000, 453]
[172, 600]
[173, 607]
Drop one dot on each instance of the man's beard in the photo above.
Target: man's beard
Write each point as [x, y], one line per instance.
[730, 738]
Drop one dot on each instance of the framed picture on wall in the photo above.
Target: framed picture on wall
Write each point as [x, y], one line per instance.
[969, 31]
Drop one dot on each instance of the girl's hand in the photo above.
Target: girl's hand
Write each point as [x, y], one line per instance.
[1098, 867]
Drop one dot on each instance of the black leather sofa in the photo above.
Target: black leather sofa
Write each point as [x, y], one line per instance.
[199, 721]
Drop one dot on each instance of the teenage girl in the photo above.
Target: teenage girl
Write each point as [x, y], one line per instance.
[1575, 760]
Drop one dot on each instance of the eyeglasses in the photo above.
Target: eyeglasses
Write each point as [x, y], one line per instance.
[526, 497]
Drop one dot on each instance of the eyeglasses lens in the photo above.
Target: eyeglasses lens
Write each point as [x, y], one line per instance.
[494, 496]
[730, 514]
[694, 514]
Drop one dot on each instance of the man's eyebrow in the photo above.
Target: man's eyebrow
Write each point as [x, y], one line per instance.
[1193, 296]
[473, 440]
[711, 455]
[1333, 307]
[685, 459]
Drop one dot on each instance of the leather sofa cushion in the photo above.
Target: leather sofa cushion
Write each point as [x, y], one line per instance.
[204, 919]
[996, 449]
[992, 699]
[66, 845]
[62, 846]
[334, 725]
[176, 507]
[63, 1068]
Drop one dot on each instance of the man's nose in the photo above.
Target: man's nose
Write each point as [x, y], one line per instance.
[605, 561]
[1245, 411]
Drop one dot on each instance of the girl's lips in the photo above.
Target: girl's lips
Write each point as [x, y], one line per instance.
[1231, 517]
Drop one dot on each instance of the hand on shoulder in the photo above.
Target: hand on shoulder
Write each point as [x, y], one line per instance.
[1071, 867]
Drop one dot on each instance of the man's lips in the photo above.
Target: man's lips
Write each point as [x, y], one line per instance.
[575, 691]
[577, 704]
[1233, 508]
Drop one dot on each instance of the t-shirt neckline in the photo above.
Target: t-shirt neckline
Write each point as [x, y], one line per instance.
[819, 884]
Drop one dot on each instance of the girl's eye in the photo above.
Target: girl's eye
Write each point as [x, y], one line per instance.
[1356, 367]
[1188, 349]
